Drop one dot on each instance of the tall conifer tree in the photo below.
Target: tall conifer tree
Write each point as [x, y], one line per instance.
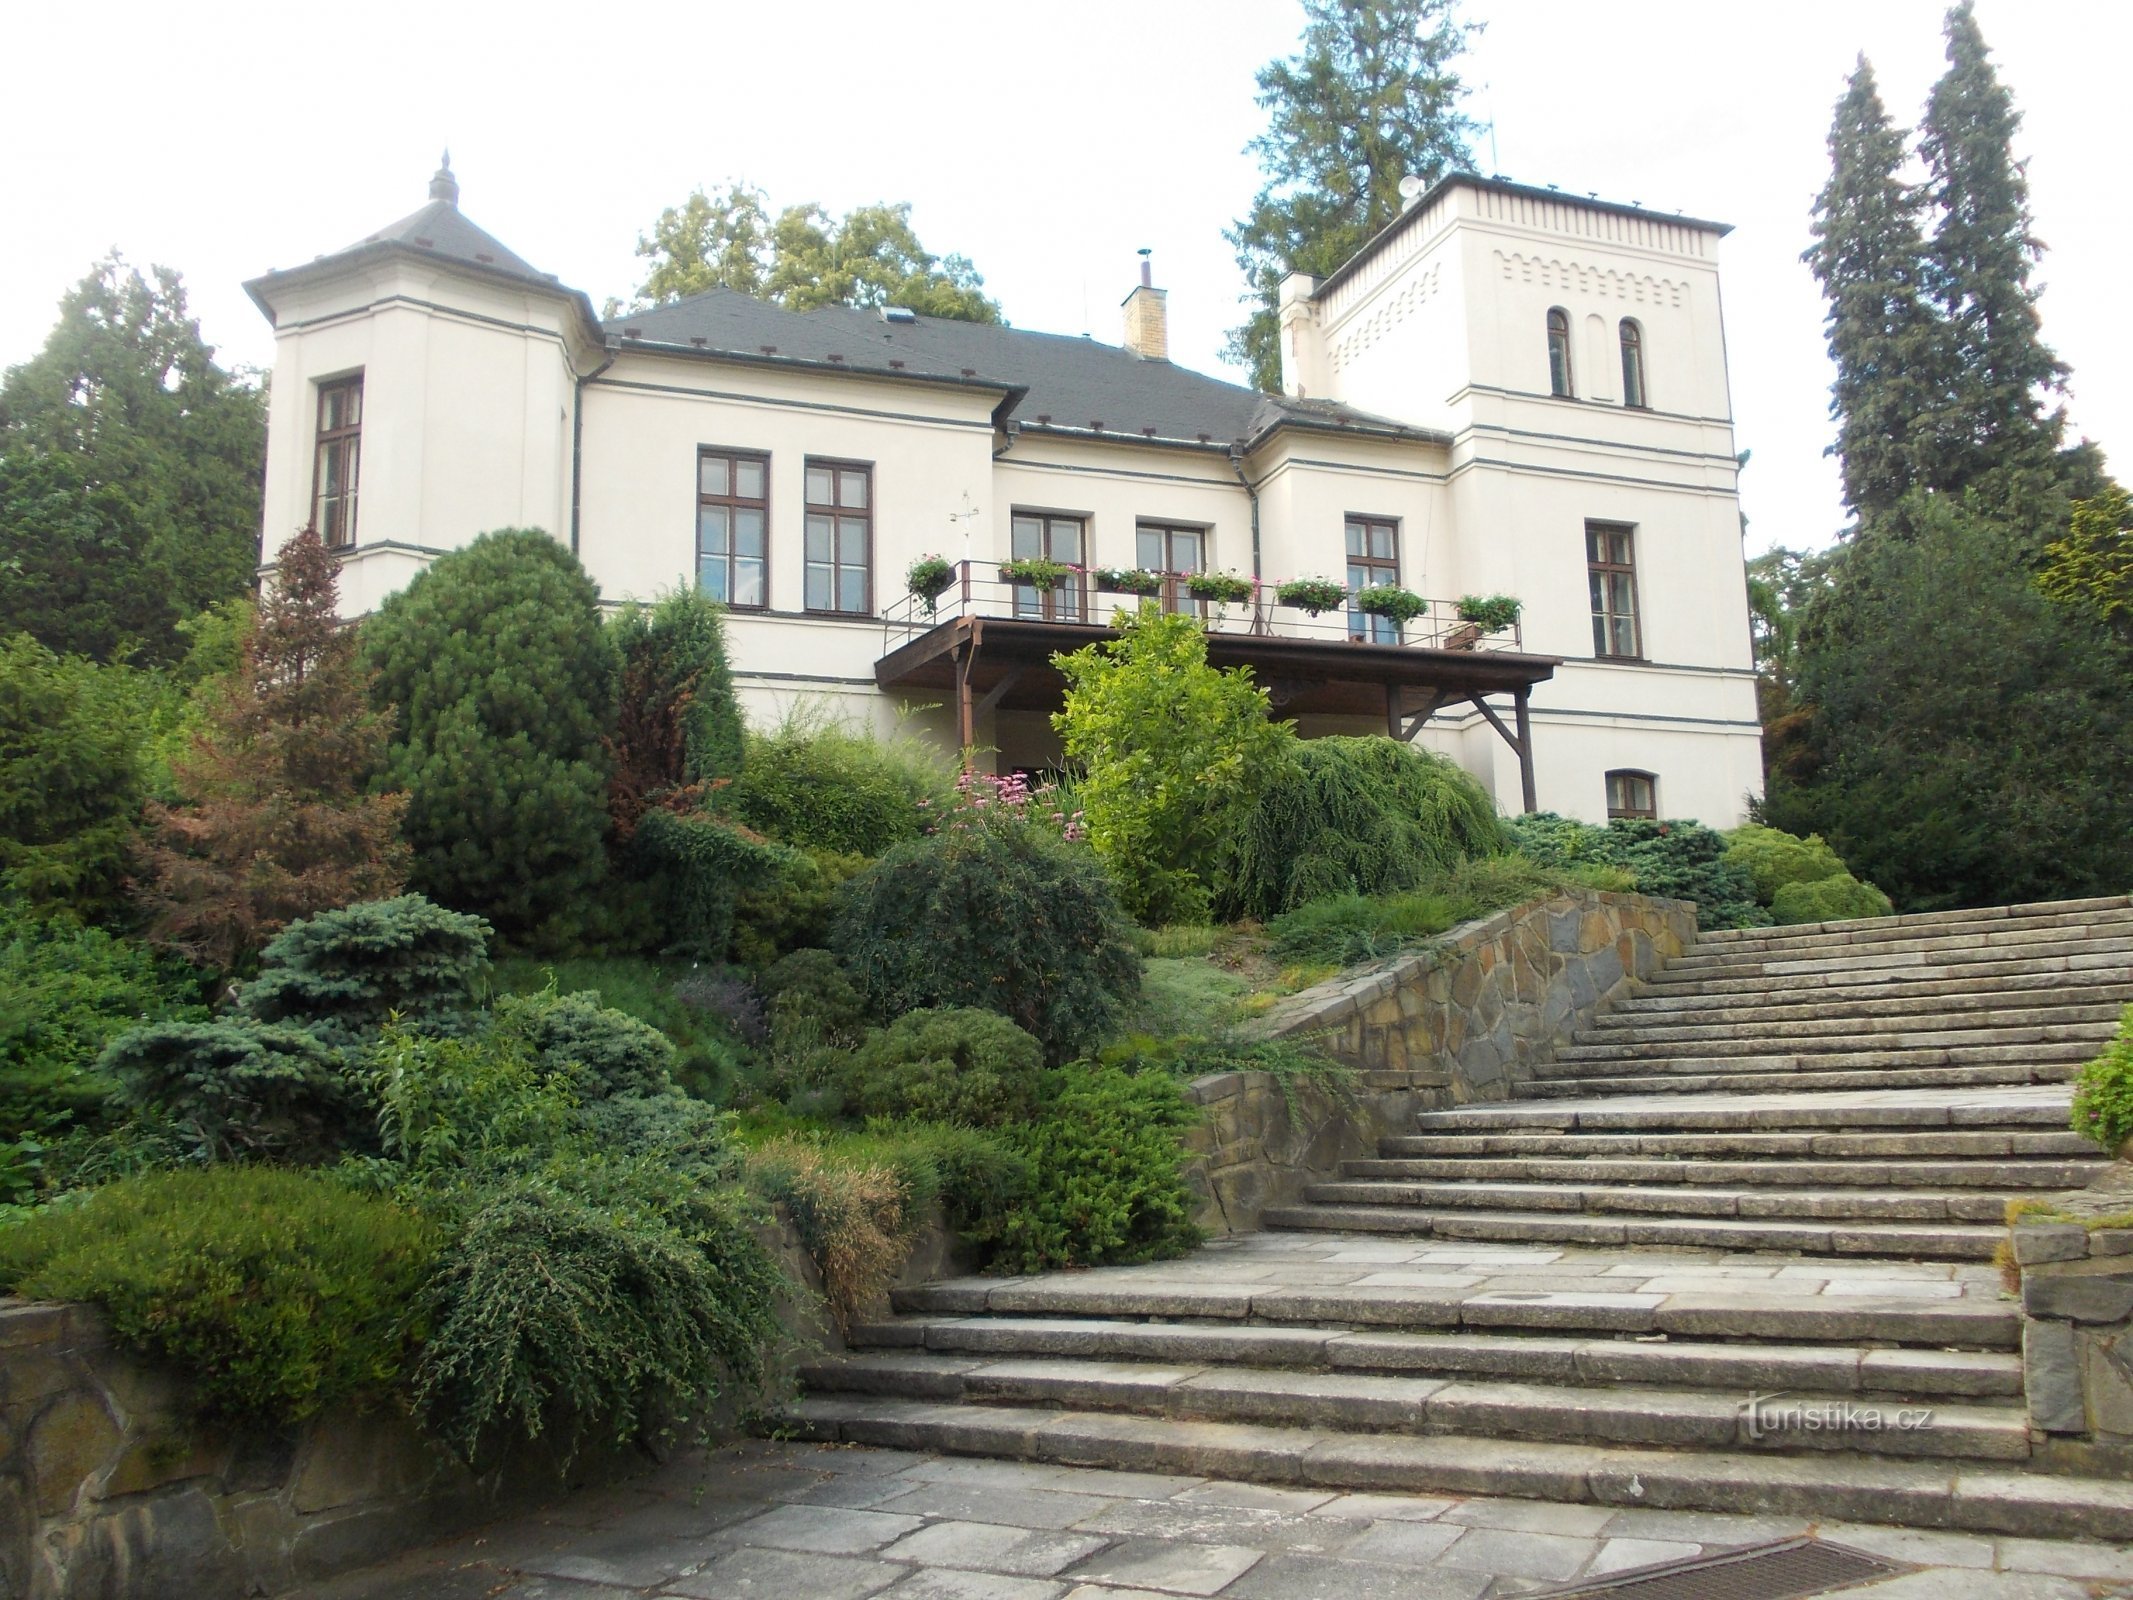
[1992, 430]
[1884, 338]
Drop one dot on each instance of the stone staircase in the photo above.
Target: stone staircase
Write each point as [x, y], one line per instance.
[1725, 1254]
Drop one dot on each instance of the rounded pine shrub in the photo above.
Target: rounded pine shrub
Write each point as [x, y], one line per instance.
[1830, 899]
[1774, 858]
[237, 1087]
[598, 1050]
[505, 683]
[995, 911]
[278, 1293]
[1363, 816]
[955, 1065]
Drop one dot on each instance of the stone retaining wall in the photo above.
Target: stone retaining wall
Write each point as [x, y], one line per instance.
[2077, 1343]
[1460, 1021]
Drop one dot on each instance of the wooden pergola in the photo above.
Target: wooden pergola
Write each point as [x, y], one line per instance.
[990, 663]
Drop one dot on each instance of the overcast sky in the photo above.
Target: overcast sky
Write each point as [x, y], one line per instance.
[1046, 142]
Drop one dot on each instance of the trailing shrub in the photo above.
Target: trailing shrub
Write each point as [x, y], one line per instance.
[1773, 858]
[1357, 816]
[277, 1292]
[596, 1049]
[994, 911]
[342, 973]
[239, 1087]
[821, 787]
[1680, 860]
[2103, 1096]
[1104, 1161]
[1828, 900]
[956, 1065]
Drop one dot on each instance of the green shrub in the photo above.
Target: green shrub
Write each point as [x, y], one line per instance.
[1678, 860]
[65, 993]
[2103, 1096]
[1186, 997]
[1104, 1159]
[619, 1311]
[995, 911]
[1189, 1056]
[1774, 858]
[831, 789]
[676, 997]
[976, 1175]
[955, 1065]
[341, 973]
[812, 1004]
[596, 1049]
[277, 1292]
[1829, 899]
[1367, 816]
[238, 1087]
[505, 682]
[450, 1107]
[793, 910]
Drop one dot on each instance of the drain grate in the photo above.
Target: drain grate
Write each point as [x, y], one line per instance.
[1791, 1570]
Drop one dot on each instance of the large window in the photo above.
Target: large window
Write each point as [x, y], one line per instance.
[1373, 558]
[1039, 536]
[1632, 794]
[1611, 571]
[1178, 551]
[1633, 364]
[340, 448]
[1559, 352]
[732, 527]
[840, 537]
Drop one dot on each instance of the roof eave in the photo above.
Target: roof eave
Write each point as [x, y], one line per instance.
[380, 249]
[752, 358]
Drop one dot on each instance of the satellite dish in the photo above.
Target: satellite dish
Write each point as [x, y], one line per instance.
[1410, 186]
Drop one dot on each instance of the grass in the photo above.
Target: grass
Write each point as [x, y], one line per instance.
[1341, 930]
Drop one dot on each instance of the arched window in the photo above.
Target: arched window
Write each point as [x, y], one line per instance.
[1632, 794]
[1559, 352]
[1633, 364]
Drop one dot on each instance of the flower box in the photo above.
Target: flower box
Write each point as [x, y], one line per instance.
[1491, 613]
[1390, 601]
[1223, 588]
[1129, 580]
[1312, 594]
[1036, 572]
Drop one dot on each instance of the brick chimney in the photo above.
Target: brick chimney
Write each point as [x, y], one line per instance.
[1148, 318]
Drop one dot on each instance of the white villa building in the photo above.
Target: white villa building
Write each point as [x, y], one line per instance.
[1507, 391]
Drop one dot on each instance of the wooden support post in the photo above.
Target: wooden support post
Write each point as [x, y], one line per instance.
[1520, 697]
[1392, 711]
[966, 713]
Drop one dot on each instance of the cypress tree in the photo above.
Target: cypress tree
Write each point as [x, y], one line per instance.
[1883, 335]
[1991, 430]
[504, 680]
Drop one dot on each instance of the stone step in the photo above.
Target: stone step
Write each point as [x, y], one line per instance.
[1838, 1369]
[2105, 960]
[1941, 959]
[1833, 1027]
[1816, 1484]
[1848, 1148]
[1775, 1315]
[1809, 1077]
[1382, 1404]
[1863, 930]
[2082, 1038]
[1925, 999]
[1903, 1241]
[1993, 1111]
[1653, 1062]
[1999, 1172]
[1672, 1198]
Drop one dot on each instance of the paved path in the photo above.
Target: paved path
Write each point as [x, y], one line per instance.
[777, 1521]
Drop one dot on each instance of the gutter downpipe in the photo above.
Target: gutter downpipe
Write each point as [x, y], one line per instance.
[1236, 465]
[577, 442]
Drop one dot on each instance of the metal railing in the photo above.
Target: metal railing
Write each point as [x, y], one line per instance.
[977, 589]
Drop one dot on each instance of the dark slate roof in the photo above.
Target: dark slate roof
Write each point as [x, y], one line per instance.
[1050, 382]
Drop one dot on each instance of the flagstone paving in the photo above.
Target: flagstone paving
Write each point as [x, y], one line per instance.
[787, 1521]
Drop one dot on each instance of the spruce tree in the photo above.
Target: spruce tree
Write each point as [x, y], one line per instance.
[274, 820]
[1371, 99]
[1884, 338]
[1991, 431]
[504, 680]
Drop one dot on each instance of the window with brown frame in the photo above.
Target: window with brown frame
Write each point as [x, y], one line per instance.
[1373, 558]
[1611, 573]
[339, 453]
[1176, 551]
[1632, 794]
[839, 567]
[733, 527]
[1633, 365]
[1039, 536]
[1559, 352]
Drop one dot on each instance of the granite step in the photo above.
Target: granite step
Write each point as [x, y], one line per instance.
[1955, 1150]
[1807, 1076]
[1831, 1028]
[1708, 1419]
[1675, 1167]
[1939, 960]
[1861, 930]
[1672, 1198]
[1926, 999]
[1995, 1110]
[1972, 1497]
[2056, 1034]
[1950, 1241]
[2102, 960]
[1900, 1373]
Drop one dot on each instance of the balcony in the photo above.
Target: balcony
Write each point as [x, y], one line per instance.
[989, 642]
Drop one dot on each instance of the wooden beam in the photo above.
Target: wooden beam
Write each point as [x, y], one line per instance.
[966, 715]
[1413, 718]
[997, 692]
[1525, 750]
[1494, 720]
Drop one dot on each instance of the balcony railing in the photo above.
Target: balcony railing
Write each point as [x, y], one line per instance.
[978, 589]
